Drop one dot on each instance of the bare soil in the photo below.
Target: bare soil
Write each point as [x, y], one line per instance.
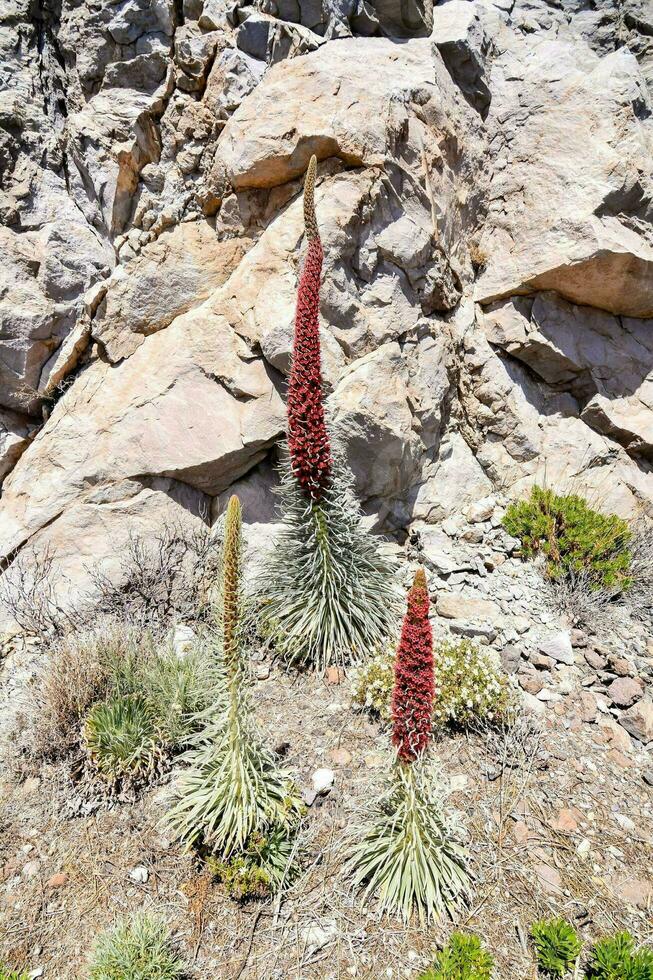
[509, 789]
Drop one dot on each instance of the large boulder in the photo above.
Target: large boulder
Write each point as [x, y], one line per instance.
[605, 361]
[192, 405]
[347, 100]
[571, 194]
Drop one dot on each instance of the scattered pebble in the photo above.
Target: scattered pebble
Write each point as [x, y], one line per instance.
[322, 781]
[139, 874]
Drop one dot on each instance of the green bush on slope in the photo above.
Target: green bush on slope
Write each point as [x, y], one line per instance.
[574, 539]
[463, 958]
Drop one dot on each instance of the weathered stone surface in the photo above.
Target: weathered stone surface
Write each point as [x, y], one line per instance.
[603, 360]
[455, 480]
[272, 40]
[192, 406]
[452, 606]
[152, 235]
[558, 647]
[14, 437]
[582, 230]
[316, 106]
[529, 432]
[625, 691]
[170, 276]
[460, 38]
[638, 721]
[388, 407]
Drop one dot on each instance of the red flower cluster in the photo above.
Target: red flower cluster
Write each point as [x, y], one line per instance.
[414, 688]
[308, 438]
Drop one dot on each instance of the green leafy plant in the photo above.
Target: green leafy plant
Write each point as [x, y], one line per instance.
[615, 958]
[463, 958]
[7, 974]
[121, 738]
[144, 707]
[233, 792]
[265, 863]
[77, 673]
[178, 690]
[470, 685]
[136, 949]
[113, 663]
[557, 946]
[243, 880]
[574, 539]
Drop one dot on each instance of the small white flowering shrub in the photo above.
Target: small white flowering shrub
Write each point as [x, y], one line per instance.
[470, 685]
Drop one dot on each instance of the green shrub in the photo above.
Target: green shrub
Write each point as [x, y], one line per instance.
[574, 539]
[615, 959]
[138, 949]
[121, 738]
[259, 870]
[243, 880]
[7, 974]
[76, 674]
[146, 705]
[463, 958]
[86, 669]
[178, 691]
[470, 685]
[557, 946]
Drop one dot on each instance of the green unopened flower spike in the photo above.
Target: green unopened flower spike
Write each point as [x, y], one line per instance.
[231, 572]
[233, 788]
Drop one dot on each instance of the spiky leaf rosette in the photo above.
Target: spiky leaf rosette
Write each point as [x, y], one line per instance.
[328, 592]
[308, 438]
[233, 787]
[557, 946]
[136, 949]
[412, 696]
[408, 855]
[121, 738]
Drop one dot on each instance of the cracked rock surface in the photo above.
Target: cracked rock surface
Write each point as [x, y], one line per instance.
[485, 200]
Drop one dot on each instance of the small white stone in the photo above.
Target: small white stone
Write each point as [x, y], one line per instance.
[183, 640]
[31, 869]
[559, 647]
[139, 874]
[319, 934]
[323, 780]
[625, 822]
[458, 782]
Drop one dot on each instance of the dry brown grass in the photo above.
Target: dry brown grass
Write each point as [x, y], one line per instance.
[477, 255]
[74, 674]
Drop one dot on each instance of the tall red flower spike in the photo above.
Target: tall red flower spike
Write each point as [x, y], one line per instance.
[308, 439]
[414, 688]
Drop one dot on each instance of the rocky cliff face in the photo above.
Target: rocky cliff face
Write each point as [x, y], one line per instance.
[485, 199]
